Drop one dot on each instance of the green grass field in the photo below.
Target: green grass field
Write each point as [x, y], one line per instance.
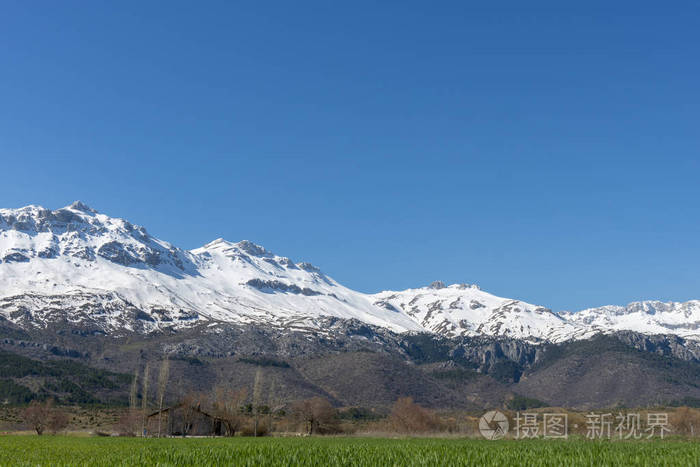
[58, 451]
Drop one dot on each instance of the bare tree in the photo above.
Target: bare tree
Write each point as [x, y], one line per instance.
[144, 400]
[408, 417]
[37, 415]
[162, 386]
[257, 391]
[226, 406]
[274, 403]
[129, 422]
[317, 414]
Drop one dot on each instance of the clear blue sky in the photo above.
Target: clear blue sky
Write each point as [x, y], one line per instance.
[547, 153]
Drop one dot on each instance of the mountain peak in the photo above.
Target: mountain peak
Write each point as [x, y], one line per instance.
[218, 242]
[80, 206]
[245, 246]
[252, 248]
[439, 285]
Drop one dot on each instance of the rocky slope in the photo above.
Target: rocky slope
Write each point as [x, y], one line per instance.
[355, 364]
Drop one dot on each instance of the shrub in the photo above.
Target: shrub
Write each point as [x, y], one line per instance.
[408, 417]
[686, 421]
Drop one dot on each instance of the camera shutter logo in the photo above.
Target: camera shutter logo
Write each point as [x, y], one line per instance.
[493, 425]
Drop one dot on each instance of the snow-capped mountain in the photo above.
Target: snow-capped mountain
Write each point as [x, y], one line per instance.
[77, 266]
[646, 317]
[82, 266]
[465, 310]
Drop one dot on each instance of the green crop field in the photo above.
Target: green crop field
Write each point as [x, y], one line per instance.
[58, 451]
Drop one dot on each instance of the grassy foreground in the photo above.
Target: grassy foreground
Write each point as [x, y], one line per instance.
[57, 451]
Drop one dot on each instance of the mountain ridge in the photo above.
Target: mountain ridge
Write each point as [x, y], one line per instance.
[78, 265]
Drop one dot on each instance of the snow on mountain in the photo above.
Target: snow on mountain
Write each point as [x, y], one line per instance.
[465, 310]
[646, 317]
[77, 266]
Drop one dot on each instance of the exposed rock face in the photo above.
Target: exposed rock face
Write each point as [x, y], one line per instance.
[116, 253]
[252, 249]
[281, 286]
[308, 267]
[15, 257]
[667, 345]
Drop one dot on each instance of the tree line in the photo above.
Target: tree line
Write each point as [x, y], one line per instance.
[251, 409]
